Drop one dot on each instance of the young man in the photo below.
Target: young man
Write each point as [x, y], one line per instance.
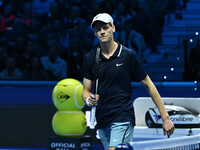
[118, 67]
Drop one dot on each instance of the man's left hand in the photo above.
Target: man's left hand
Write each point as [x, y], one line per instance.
[168, 127]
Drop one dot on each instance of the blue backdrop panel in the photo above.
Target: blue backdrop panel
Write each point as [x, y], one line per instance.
[26, 110]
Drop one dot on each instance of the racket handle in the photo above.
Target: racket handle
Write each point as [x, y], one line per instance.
[92, 117]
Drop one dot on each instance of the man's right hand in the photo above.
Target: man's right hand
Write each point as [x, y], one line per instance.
[93, 100]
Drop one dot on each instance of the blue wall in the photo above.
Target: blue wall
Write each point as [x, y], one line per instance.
[27, 109]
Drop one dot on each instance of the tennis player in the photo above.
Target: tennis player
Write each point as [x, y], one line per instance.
[118, 67]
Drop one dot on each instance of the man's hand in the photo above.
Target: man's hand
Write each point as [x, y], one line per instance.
[168, 127]
[93, 100]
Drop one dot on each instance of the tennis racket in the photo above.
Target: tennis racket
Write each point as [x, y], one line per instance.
[93, 110]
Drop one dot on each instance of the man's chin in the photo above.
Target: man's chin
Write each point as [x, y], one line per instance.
[104, 41]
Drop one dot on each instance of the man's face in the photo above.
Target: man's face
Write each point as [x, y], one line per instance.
[104, 31]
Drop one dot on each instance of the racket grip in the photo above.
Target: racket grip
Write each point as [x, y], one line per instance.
[92, 117]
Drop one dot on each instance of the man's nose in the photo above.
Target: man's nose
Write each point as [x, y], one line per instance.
[102, 31]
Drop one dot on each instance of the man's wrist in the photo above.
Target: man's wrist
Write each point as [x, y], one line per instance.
[87, 102]
[166, 118]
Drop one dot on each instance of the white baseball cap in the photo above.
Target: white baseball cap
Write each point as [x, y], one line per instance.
[104, 17]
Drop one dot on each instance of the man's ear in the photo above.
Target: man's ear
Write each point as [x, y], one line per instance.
[113, 28]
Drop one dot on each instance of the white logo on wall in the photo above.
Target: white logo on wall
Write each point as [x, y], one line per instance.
[63, 145]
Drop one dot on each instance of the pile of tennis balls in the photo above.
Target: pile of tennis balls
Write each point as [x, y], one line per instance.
[69, 120]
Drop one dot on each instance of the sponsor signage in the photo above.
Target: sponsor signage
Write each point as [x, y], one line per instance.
[66, 143]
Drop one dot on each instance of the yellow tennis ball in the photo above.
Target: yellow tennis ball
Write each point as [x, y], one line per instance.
[69, 123]
[67, 95]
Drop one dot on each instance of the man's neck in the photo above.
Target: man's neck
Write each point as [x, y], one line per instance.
[109, 48]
